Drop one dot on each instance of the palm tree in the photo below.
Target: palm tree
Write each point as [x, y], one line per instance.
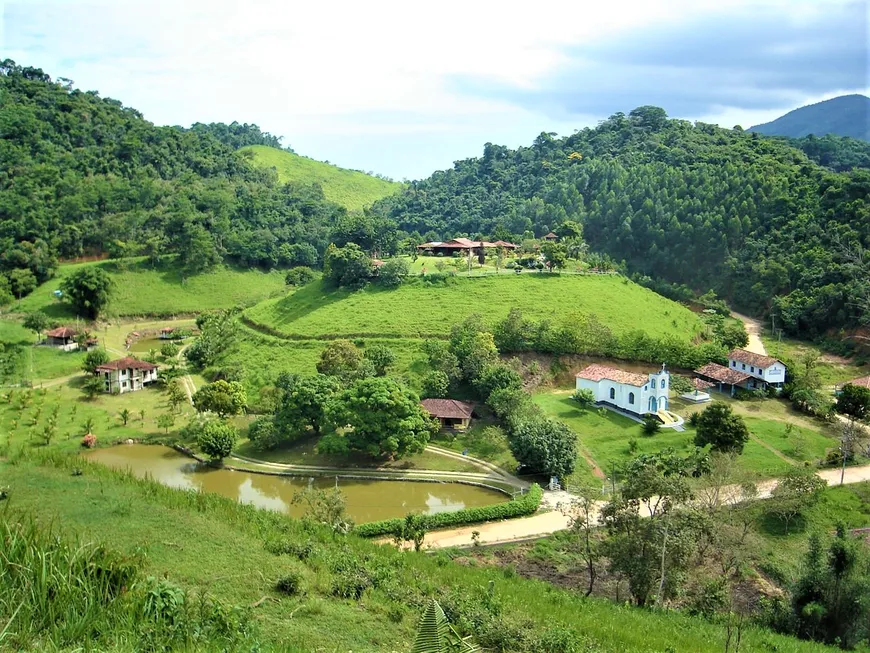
[88, 424]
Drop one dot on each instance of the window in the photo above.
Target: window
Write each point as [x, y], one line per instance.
[743, 365]
[662, 385]
[613, 393]
[752, 369]
[733, 363]
[631, 397]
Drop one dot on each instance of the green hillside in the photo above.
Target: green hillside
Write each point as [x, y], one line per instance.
[142, 290]
[416, 309]
[349, 188]
[847, 115]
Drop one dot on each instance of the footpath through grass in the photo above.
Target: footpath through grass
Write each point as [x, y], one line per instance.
[349, 188]
[353, 594]
[418, 309]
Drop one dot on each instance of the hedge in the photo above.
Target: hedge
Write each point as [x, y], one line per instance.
[520, 506]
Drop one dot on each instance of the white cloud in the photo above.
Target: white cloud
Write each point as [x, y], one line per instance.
[331, 76]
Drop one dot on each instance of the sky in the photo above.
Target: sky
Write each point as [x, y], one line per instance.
[406, 88]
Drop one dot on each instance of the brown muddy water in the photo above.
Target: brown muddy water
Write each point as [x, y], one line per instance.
[366, 500]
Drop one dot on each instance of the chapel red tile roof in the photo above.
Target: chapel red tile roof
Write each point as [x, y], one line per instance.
[751, 358]
[448, 408]
[864, 382]
[597, 372]
[128, 363]
[722, 374]
[61, 332]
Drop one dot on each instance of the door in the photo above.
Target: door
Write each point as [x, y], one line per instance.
[653, 405]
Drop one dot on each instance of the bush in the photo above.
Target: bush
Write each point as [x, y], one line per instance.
[651, 425]
[290, 583]
[586, 398]
[217, 439]
[435, 385]
[262, 433]
[299, 276]
[89, 441]
[392, 273]
[518, 507]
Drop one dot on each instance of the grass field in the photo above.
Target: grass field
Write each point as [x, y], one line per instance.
[606, 436]
[349, 188]
[217, 546]
[417, 309]
[140, 290]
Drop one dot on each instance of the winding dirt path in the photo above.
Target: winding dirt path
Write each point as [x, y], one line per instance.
[547, 523]
[753, 328]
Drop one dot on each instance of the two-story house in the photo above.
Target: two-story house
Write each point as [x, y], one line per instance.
[126, 375]
[763, 371]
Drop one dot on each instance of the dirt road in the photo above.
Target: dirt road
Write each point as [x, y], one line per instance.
[753, 328]
[546, 523]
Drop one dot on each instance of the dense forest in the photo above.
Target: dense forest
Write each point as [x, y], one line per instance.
[748, 216]
[85, 175]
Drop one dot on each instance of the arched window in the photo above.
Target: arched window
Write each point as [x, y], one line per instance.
[663, 384]
[631, 398]
[613, 393]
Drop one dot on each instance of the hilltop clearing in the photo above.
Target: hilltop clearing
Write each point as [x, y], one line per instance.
[417, 309]
[349, 188]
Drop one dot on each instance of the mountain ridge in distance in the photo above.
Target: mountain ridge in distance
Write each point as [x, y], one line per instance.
[846, 115]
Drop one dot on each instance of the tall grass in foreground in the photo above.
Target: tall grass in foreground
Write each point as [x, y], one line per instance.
[58, 594]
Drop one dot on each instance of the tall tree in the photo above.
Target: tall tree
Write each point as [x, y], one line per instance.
[88, 290]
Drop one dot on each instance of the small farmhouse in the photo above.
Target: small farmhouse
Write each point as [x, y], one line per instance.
[863, 382]
[551, 237]
[126, 375]
[763, 371]
[450, 413]
[62, 338]
[639, 394]
[462, 246]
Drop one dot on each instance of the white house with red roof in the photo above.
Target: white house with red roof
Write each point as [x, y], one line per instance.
[126, 375]
[762, 370]
[640, 394]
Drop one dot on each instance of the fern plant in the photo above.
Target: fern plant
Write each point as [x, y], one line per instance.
[436, 635]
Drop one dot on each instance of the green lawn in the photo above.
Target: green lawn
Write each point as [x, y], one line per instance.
[491, 449]
[606, 436]
[140, 290]
[417, 309]
[350, 188]
[832, 369]
[216, 545]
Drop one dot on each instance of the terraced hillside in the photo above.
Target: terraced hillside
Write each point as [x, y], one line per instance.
[349, 188]
[419, 310]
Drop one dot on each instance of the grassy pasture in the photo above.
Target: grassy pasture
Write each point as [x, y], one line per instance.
[349, 188]
[141, 290]
[215, 545]
[416, 309]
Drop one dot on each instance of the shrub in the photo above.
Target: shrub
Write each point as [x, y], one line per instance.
[290, 583]
[651, 425]
[89, 441]
[518, 507]
[299, 276]
[393, 272]
[436, 384]
[217, 439]
[262, 433]
[299, 550]
[586, 398]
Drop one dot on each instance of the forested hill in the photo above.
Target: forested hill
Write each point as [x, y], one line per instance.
[82, 174]
[847, 115]
[746, 215]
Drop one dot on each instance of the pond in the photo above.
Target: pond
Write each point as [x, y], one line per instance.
[366, 500]
[144, 345]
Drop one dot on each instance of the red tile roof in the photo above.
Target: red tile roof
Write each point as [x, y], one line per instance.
[701, 384]
[128, 363]
[864, 382]
[448, 408]
[722, 374]
[506, 244]
[751, 358]
[61, 332]
[597, 372]
[551, 235]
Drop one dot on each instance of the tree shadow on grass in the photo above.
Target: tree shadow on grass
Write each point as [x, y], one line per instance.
[776, 526]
